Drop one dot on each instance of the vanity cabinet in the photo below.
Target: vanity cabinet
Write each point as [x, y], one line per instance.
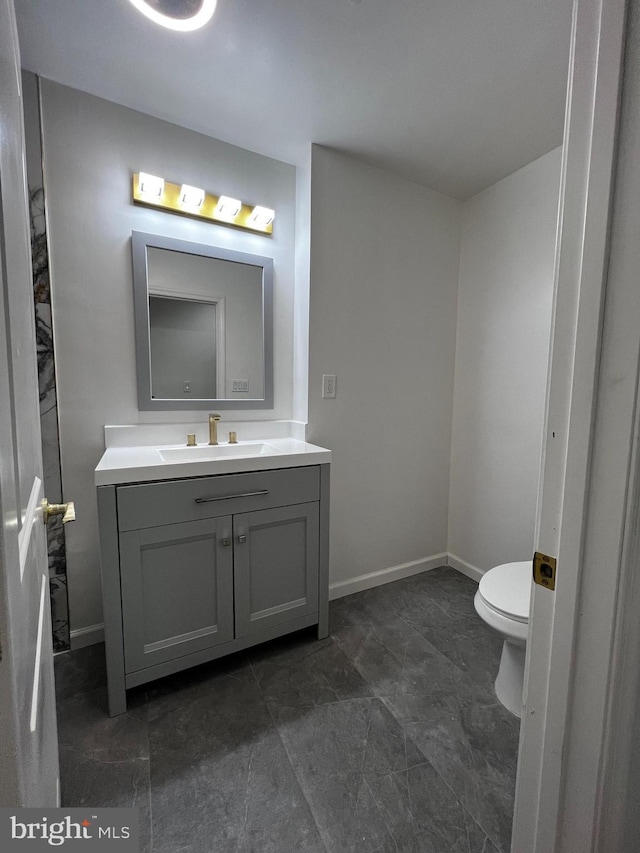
[197, 568]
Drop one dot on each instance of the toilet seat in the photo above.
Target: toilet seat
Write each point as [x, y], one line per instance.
[511, 629]
[506, 589]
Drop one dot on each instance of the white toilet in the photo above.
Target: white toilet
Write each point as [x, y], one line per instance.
[502, 601]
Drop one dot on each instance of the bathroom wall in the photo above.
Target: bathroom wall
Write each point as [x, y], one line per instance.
[384, 278]
[504, 316]
[91, 147]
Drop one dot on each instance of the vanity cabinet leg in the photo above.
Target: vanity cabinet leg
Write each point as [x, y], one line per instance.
[116, 690]
[323, 555]
[117, 695]
[323, 628]
[111, 604]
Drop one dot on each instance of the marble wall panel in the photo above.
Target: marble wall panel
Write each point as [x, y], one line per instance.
[49, 418]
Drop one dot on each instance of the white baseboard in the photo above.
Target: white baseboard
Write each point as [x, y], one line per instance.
[89, 636]
[393, 573]
[465, 568]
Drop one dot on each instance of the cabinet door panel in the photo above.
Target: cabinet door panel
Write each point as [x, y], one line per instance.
[177, 590]
[275, 566]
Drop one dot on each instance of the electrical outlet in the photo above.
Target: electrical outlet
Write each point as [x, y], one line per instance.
[329, 385]
[186, 387]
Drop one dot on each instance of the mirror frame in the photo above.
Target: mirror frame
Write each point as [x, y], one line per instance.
[140, 242]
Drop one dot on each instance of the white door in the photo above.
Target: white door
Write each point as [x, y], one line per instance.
[28, 735]
[587, 380]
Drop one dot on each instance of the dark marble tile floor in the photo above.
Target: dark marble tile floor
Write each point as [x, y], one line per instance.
[386, 737]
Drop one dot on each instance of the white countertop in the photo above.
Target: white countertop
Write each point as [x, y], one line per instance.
[143, 463]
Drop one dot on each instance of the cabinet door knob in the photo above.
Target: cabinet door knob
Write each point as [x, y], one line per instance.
[226, 542]
[242, 538]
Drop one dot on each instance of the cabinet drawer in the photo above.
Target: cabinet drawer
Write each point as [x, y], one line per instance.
[171, 502]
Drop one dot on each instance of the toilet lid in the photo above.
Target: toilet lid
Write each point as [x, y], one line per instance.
[507, 588]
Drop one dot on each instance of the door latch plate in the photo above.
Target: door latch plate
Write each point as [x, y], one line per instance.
[544, 570]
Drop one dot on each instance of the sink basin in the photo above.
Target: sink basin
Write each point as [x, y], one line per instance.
[218, 451]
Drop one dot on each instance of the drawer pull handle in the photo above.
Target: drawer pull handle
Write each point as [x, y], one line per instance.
[226, 542]
[228, 497]
[242, 538]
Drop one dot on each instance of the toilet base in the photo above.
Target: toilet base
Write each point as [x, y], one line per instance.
[510, 680]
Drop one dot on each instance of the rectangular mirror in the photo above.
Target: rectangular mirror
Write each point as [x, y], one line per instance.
[204, 325]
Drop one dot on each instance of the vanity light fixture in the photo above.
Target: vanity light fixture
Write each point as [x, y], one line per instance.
[151, 191]
[151, 186]
[262, 216]
[227, 208]
[192, 197]
[197, 13]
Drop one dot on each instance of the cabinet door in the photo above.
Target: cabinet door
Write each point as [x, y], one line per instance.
[177, 590]
[275, 566]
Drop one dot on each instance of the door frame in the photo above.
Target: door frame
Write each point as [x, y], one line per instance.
[582, 503]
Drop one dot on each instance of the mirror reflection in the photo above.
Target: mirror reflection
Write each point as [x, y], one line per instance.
[203, 325]
[183, 347]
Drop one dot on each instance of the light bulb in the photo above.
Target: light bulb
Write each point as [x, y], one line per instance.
[262, 216]
[227, 208]
[150, 186]
[191, 196]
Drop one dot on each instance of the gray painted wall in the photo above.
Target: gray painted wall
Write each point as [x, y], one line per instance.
[91, 147]
[384, 277]
[507, 254]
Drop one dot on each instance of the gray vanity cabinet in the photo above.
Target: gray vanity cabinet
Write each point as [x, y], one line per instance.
[197, 568]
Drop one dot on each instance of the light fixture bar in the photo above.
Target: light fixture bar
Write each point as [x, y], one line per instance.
[199, 204]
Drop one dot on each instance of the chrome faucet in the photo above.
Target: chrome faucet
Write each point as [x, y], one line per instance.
[213, 428]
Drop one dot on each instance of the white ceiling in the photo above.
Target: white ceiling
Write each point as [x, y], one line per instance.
[453, 94]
